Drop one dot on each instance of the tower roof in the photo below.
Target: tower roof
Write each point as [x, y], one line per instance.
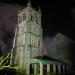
[29, 3]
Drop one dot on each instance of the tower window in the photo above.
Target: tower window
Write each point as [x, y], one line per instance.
[38, 43]
[32, 42]
[36, 19]
[31, 18]
[19, 19]
[24, 16]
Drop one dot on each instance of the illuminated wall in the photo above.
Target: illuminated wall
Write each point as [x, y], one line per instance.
[28, 43]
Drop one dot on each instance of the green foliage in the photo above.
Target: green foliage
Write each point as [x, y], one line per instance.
[6, 67]
[4, 60]
[13, 65]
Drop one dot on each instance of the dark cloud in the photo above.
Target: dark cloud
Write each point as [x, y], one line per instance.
[8, 22]
[72, 12]
[8, 15]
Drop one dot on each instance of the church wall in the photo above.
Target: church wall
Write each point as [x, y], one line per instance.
[20, 41]
[19, 56]
[29, 36]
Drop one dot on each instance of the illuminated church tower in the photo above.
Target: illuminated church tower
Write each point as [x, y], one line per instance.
[28, 39]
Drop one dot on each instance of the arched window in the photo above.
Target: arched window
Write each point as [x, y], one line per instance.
[38, 42]
[31, 17]
[19, 19]
[24, 16]
[37, 19]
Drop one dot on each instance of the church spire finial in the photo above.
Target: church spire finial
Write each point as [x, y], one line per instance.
[39, 10]
[29, 3]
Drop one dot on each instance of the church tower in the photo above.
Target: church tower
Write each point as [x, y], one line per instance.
[28, 39]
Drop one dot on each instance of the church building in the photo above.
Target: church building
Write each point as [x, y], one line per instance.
[27, 45]
[28, 36]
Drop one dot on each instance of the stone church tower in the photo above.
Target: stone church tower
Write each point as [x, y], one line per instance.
[28, 38]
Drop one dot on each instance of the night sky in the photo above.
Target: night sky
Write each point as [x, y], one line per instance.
[57, 16]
